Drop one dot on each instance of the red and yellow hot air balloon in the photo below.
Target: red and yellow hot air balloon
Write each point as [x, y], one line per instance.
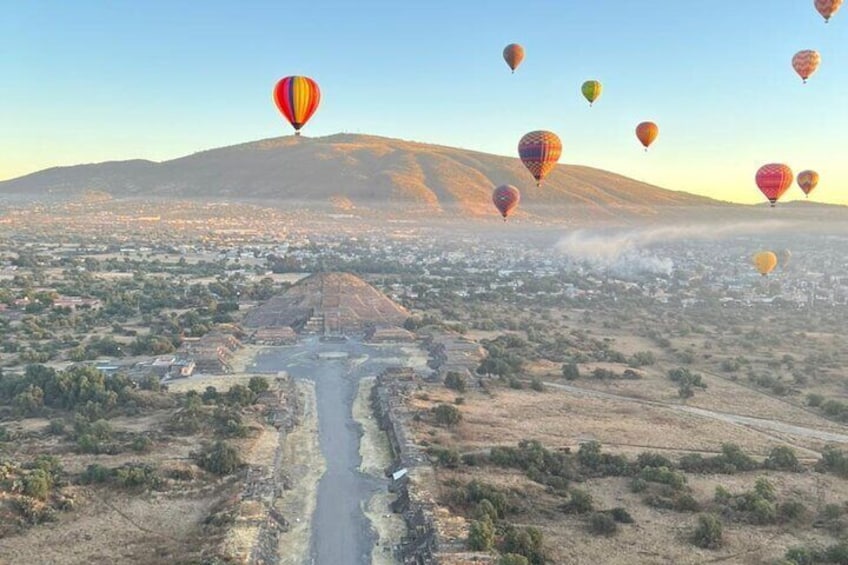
[540, 151]
[591, 90]
[827, 8]
[513, 54]
[808, 180]
[297, 98]
[773, 180]
[647, 132]
[506, 198]
[765, 262]
[805, 63]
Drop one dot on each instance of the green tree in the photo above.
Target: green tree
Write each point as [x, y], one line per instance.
[570, 371]
[481, 535]
[447, 415]
[220, 459]
[258, 385]
[708, 532]
[455, 381]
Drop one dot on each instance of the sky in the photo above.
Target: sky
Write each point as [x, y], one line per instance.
[90, 81]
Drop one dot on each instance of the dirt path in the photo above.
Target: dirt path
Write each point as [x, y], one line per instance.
[374, 449]
[760, 424]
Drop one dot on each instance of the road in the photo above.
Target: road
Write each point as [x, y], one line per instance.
[341, 533]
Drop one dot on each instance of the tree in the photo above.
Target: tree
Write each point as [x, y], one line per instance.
[258, 385]
[570, 372]
[708, 532]
[481, 535]
[447, 415]
[513, 559]
[455, 381]
[220, 459]
[602, 524]
[782, 458]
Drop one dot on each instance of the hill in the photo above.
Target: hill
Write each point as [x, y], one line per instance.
[348, 171]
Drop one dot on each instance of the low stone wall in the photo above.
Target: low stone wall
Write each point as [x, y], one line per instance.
[420, 545]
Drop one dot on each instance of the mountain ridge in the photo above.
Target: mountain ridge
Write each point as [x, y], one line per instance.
[352, 170]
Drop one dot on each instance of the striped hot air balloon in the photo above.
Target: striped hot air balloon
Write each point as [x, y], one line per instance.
[827, 8]
[647, 132]
[297, 98]
[808, 180]
[513, 54]
[805, 63]
[506, 198]
[540, 151]
[591, 90]
[773, 180]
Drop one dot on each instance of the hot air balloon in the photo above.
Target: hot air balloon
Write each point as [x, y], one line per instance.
[773, 180]
[647, 132]
[765, 262]
[513, 54]
[297, 98]
[540, 151]
[808, 180]
[591, 90]
[827, 8]
[506, 198]
[783, 258]
[805, 63]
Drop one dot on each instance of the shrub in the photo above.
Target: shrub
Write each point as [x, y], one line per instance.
[258, 385]
[579, 503]
[481, 535]
[484, 510]
[219, 458]
[37, 484]
[447, 415]
[801, 556]
[782, 458]
[708, 532]
[56, 427]
[791, 511]
[135, 475]
[815, 400]
[95, 473]
[621, 515]
[537, 385]
[455, 381]
[570, 372]
[513, 559]
[602, 524]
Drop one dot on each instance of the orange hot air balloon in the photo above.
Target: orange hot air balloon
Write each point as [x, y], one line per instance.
[513, 54]
[773, 180]
[647, 132]
[297, 98]
[827, 8]
[808, 180]
[506, 198]
[805, 63]
[765, 262]
[540, 151]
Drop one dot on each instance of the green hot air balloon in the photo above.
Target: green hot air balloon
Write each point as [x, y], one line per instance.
[591, 90]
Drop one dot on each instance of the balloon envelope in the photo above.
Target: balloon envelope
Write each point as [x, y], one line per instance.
[513, 54]
[647, 132]
[539, 151]
[506, 198]
[297, 99]
[783, 258]
[827, 7]
[805, 63]
[808, 180]
[765, 262]
[591, 90]
[773, 180]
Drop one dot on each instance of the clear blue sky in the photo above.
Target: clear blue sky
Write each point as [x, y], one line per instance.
[86, 81]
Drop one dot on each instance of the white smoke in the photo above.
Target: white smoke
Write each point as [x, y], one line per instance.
[630, 252]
